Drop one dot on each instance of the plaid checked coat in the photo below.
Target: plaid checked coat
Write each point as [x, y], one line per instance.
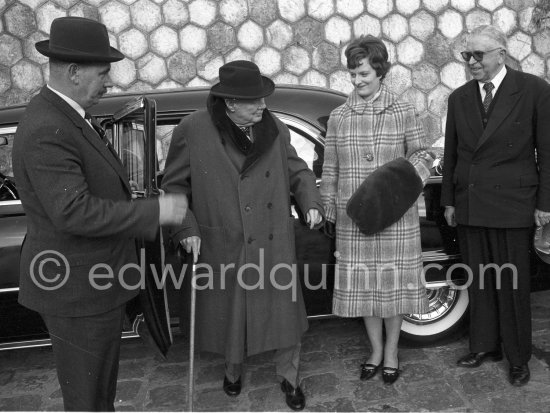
[378, 275]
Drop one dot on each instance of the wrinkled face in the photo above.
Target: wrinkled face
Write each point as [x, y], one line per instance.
[92, 81]
[364, 79]
[493, 57]
[246, 112]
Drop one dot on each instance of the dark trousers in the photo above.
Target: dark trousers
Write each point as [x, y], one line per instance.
[86, 351]
[499, 313]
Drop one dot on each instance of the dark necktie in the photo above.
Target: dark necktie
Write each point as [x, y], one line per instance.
[101, 132]
[488, 95]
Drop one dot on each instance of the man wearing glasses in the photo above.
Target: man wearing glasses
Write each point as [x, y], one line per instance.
[496, 185]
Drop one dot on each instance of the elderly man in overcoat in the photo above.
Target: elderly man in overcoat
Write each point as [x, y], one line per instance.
[236, 164]
[77, 198]
[496, 185]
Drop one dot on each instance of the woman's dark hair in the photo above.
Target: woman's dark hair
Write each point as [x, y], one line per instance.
[371, 48]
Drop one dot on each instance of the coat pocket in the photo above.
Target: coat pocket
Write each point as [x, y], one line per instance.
[529, 180]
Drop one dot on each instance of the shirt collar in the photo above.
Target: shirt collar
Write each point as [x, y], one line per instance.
[496, 81]
[71, 102]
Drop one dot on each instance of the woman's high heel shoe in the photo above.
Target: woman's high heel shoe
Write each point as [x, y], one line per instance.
[390, 374]
[368, 371]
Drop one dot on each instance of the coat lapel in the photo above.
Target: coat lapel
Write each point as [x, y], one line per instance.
[89, 134]
[471, 109]
[509, 95]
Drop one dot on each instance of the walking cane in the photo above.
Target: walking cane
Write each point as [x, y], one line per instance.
[192, 340]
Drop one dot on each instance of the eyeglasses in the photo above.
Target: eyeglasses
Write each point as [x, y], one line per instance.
[476, 54]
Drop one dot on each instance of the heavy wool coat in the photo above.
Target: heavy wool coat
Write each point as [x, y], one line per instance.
[377, 275]
[244, 221]
[76, 196]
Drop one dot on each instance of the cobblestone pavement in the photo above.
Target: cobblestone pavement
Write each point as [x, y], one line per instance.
[332, 351]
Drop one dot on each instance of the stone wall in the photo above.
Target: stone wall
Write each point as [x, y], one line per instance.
[177, 43]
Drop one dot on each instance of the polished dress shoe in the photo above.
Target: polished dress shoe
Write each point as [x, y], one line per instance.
[232, 389]
[390, 374]
[476, 359]
[519, 375]
[368, 371]
[295, 398]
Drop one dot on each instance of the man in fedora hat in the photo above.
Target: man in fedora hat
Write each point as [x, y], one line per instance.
[235, 162]
[77, 198]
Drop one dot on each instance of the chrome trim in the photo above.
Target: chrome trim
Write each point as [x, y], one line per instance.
[9, 290]
[13, 202]
[439, 256]
[8, 130]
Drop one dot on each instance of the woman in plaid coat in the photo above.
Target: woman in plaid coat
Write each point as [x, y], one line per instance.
[379, 276]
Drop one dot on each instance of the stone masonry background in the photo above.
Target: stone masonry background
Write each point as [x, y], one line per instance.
[182, 43]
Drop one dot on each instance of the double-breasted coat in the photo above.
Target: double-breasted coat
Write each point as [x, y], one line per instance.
[247, 234]
[378, 275]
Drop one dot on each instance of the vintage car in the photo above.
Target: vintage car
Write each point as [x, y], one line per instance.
[140, 129]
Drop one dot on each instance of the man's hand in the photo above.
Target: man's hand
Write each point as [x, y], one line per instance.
[192, 244]
[172, 209]
[450, 216]
[313, 217]
[541, 217]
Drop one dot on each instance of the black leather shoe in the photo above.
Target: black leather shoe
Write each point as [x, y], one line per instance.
[368, 371]
[519, 375]
[232, 389]
[390, 374]
[476, 359]
[295, 398]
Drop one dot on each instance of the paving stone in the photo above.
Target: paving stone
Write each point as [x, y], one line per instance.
[367, 25]
[202, 12]
[221, 37]
[435, 396]
[380, 8]
[308, 33]
[233, 12]
[115, 16]
[217, 400]
[175, 13]
[20, 20]
[337, 405]
[260, 376]
[263, 11]
[6, 376]
[338, 30]
[28, 402]
[258, 398]
[320, 385]
[127, 390]
[167, 398]
[250, 36]
[506, 401]
[292, 10]
[370, 390]
[279, 34]
[211, 375]
[320, 9]
[349, 8]
[193, 39]
[422, 25]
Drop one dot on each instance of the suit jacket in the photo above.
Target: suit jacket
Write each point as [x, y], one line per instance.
[496, 177]
[76, 196]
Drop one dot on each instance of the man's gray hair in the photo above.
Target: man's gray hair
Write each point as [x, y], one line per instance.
[492, 32]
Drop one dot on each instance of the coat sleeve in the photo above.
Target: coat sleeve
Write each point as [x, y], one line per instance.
[301, 178]
[54, 166]
[416, 143]
[542, 136]
[177, 179]
[329, 183]
[449, 157]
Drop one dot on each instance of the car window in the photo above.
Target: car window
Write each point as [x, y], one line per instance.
[7, 182]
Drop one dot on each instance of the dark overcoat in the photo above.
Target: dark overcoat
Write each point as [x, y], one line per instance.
[247, 235]
[76, 196]
[493, 176]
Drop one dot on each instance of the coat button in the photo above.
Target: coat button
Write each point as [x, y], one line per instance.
[269, 205]
[369, 157]
[471, 185]
[497, 186]
[267, 174]
[247, 208]
[270, 236]
[243, 177]
[250, 240]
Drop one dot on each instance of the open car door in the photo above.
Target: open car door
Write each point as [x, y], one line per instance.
[132, 133]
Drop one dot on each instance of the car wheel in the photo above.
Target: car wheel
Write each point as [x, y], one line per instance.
[446, 318]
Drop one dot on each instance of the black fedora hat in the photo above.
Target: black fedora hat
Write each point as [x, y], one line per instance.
[242, 79]
[76, 39]
[384, 196]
